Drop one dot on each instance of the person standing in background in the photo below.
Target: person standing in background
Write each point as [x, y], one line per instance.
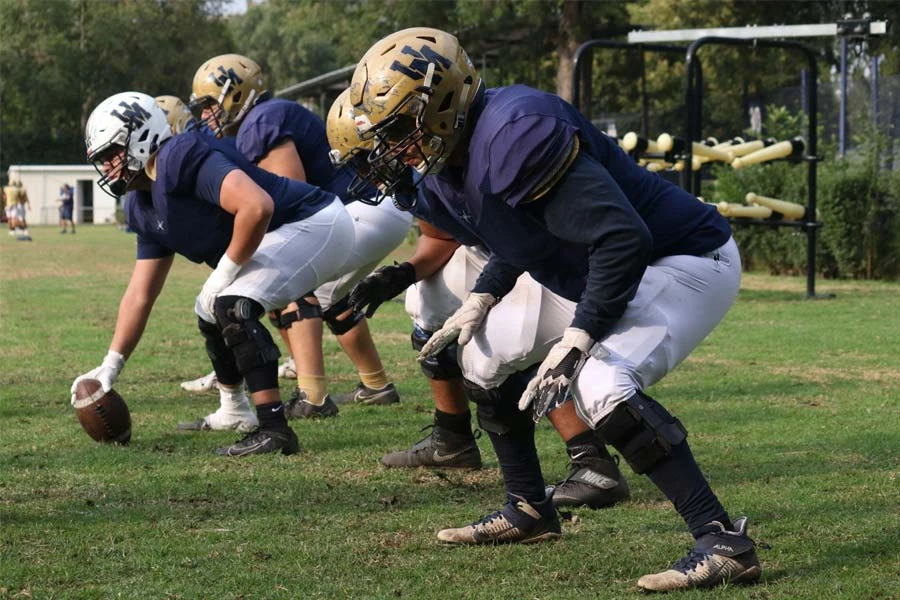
[66, 203]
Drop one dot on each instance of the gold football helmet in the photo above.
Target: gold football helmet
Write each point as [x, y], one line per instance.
[411, 95]
[349, 150]
[340, 128]
[226, 87]
[177, 113]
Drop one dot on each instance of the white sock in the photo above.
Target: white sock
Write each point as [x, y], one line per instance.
[233, 400]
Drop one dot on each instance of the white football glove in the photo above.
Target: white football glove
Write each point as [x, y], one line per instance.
[221, 277]
[461, 325]
[106, 373]
[548, 389]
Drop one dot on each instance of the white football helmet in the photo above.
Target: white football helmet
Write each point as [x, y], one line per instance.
[131, 121]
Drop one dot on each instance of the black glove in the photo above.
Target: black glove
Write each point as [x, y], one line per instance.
[382, 285]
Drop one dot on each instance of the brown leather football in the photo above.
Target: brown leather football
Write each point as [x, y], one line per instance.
[105, 417]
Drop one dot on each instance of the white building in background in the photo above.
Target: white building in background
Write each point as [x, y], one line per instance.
[42, 182]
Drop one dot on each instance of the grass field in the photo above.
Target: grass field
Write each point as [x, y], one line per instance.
[792, 405]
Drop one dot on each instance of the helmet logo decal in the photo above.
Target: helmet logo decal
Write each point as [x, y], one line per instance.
[225, 77]
[418, 67]
[133, 114]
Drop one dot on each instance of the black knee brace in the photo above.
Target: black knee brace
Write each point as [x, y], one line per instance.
[305, 310]
[341, 326]
[498, 408]
[255, 353]
[221, 358]
[443, 365]
[642, 430]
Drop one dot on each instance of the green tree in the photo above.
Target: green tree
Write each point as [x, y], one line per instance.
[59, 58]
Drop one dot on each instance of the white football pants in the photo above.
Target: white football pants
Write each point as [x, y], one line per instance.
[294, 259]
[678, 303]
[379, 229]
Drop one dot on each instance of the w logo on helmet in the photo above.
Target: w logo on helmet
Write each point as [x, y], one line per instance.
[418, 66]
[132, 114]
[225, 76]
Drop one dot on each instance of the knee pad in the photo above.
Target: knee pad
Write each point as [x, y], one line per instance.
[220, 356]
[498, 408]
[642, 430]
[305, 310]
[215, 344]
[246, 338]
[341, 326]
[442, 366]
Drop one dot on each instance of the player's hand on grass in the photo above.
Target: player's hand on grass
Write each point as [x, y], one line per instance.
[380, 286]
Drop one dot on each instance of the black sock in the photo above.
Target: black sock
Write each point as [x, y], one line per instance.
[271, 415]
[461, 424]
[588, 438]
[519, 464]
[679, 477]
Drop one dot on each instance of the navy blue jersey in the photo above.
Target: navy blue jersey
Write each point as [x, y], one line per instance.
[272, 121]
[181, 212]
[521, 132]
[520, 140]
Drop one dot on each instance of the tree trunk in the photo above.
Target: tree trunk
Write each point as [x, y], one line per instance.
[570, 28]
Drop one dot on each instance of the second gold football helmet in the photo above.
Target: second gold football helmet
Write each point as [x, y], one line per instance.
[177, 113]
[226, 87]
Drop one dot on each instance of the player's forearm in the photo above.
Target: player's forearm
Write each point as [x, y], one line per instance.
[497, 278]
[134, 313]
[250, 226]
[431, 254]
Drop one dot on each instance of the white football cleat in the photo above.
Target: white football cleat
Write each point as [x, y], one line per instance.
[287, 369]
[202, 384]
[240, 421]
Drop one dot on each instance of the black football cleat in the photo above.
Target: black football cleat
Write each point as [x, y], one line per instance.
[299, 407]
[263, 441]
[720, 557]
[594, 480]
[518, 522]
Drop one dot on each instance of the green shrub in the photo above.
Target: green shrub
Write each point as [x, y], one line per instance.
[858, 203]
[861, 202]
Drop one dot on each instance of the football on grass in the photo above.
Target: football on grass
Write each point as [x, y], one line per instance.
[104, 416]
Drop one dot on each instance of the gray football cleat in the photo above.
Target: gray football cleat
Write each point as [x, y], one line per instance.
[263, 441]
[299, 407]
[594, 481]
[366, 395]
[718, 557]
[440, 448]
[519, 522]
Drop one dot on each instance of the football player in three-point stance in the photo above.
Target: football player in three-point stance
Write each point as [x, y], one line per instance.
[443, 271]
[642, 272]
[285, 138]
[268, 238]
